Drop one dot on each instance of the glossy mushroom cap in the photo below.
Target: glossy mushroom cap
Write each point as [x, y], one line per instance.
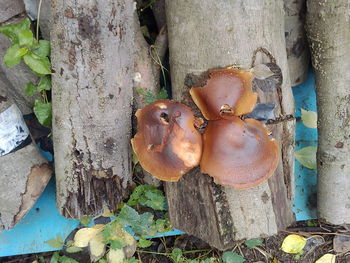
[166, 143]
[228, 92]
[238, 154]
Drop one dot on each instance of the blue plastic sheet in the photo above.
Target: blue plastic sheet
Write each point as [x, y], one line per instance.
[44, 222]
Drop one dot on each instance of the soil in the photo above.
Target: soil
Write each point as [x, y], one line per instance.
[270, 251]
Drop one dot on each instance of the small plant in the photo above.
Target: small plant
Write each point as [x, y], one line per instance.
[128, 229]
[34, 53]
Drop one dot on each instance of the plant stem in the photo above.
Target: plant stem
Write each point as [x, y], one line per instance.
[38, 21]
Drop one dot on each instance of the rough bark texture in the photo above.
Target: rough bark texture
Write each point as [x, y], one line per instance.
[18, 75]
[24, 175]
[10, 8]
[228, 34]
[296, 42]
[328, 26]
[93, 59]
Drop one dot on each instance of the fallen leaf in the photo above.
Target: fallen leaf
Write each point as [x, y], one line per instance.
[115, 256]
[341, 244]
[309, 118]
[261, 71]
[84, 235]
[96, 247]
[307, 157]
[327, 258]
[293, 244]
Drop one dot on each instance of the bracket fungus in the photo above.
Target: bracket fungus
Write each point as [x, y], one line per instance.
[237, 153]
[227, 93]
[167, 143]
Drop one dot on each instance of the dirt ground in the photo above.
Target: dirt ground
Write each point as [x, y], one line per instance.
[270, 251]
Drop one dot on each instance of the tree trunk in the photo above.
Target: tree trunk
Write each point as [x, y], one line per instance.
[329, 36]
[203, 35]
[297, 47]
[24, 172]
[93, 59]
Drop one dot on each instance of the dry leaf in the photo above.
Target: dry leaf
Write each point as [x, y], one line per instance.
[309, 118]
[261, 71]
[96, 247]
[293, 244]
[327, 258]
[115, 256]
[84, 235]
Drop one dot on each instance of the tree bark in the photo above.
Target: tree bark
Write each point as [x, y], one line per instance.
[297, 47]
[203, 35]
[24, 172]
[328, 31]
[93, 58]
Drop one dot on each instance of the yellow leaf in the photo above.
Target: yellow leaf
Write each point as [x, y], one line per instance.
[98, 226]
[293, 244]
[107, 212]
[327, 258]
[115, 256]
[309, 118]
[84, 235]
[96, 247]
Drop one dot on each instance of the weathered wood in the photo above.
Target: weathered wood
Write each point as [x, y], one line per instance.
[328, 32]
[92, 92]
[10, 8]
[297, 47]
[204, 36]
[18, 75]
[24, 174]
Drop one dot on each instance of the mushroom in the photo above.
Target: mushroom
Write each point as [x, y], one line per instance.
[227, 93]
[167, 143]
[237, 153]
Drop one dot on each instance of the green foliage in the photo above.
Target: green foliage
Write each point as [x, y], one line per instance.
[35, 54]
[55, 242]
[43, 111]
[150, 97]
[73, 249]
[143, 243]
[148, 195]
[131, 260]
[85, 220]
[252, 243]
[307, 157]
[232, 257]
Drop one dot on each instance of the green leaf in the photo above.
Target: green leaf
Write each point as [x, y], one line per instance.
[307, 157]
[55, 242]
[309, 118]
[144, 243]
[65, 259]
[55, 257]
[117, 244]
[131, 260]
[163, 225]
[232, 257]
[12, 31]
[37, 64]
[73, 249]
[176, 254]
[25, 37]
[85, 220]
[251, 243]
[11, 57]
[43, 50]
[149, 97]
[44, 84]
[148, 195]
[30, 89]
[43, 112]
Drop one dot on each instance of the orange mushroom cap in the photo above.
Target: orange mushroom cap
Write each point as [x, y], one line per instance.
[238, 154]
[166, 143]
[228, 92]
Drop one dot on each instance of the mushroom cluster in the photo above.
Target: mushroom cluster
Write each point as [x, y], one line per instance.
[236, 153]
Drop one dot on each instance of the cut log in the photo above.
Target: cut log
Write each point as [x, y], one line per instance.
[92, 93]
[297, 47]
[18, 75]
[24, 171]
[329, 36]
[204, 36]
[10, 8]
